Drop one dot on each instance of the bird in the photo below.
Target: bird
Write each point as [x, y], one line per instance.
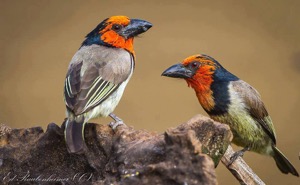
[232, 101]
[98, 74]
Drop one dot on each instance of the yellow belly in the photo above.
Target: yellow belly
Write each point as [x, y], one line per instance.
[246, 131]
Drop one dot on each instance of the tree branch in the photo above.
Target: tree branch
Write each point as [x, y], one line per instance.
[187, 154]
[240, 170]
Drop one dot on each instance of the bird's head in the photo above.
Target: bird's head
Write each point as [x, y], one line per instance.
[206, 76]
[117, 31]
[197, 70]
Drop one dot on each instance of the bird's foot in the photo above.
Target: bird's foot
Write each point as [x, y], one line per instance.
[117, 122]
[238, 154]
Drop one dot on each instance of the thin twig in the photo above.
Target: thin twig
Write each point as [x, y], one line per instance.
[240, 170]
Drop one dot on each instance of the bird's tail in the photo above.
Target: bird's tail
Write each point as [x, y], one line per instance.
[283, 163]
[74, 135]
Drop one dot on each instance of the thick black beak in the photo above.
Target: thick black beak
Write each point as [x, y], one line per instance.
[135, 27]
[178, 71]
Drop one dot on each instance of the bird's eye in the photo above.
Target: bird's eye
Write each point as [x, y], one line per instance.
[117, 27]
[195, 64]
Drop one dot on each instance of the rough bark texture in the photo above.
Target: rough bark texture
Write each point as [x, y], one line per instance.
[187, 154]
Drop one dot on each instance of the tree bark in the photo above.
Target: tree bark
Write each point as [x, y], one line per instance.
[187, 154]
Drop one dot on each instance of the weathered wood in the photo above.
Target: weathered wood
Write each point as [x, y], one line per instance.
[186, 154]
[240, 170]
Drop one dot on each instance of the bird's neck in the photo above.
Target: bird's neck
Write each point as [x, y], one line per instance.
[211, 88]
[201, 84]
[110, 41]
[115, 40]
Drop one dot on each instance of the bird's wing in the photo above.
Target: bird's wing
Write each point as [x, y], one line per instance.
[255, 106]
[88, 83]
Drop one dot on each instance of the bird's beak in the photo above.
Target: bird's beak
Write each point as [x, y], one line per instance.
[135, 27]
[178, 71]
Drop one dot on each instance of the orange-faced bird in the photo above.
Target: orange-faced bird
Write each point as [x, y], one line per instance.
[98, 74]
[230, 100]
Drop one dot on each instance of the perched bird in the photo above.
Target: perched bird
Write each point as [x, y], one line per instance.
[98, 74]
[230, 100]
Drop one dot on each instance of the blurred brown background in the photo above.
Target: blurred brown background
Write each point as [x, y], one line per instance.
[259, 41]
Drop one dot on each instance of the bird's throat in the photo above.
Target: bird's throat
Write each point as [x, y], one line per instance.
[115, 40]
[203, 93]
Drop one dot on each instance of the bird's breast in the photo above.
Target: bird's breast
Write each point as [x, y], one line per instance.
[246, 130]
[218, 100]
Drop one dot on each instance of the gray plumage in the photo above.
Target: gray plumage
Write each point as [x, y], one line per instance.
[98, 74]
[95, 82]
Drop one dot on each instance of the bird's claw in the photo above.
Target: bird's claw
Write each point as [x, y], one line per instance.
[238, 154]
[117, 122]
[235, 156]
[114, 125]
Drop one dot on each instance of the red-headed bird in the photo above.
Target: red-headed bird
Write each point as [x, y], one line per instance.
[229, 100]
[98, 74]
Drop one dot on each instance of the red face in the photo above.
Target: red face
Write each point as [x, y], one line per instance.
[111, 36]
[120, 31]
[198, 72]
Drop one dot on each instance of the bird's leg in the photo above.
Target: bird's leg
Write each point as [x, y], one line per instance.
[118, 121]
[238, 154]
